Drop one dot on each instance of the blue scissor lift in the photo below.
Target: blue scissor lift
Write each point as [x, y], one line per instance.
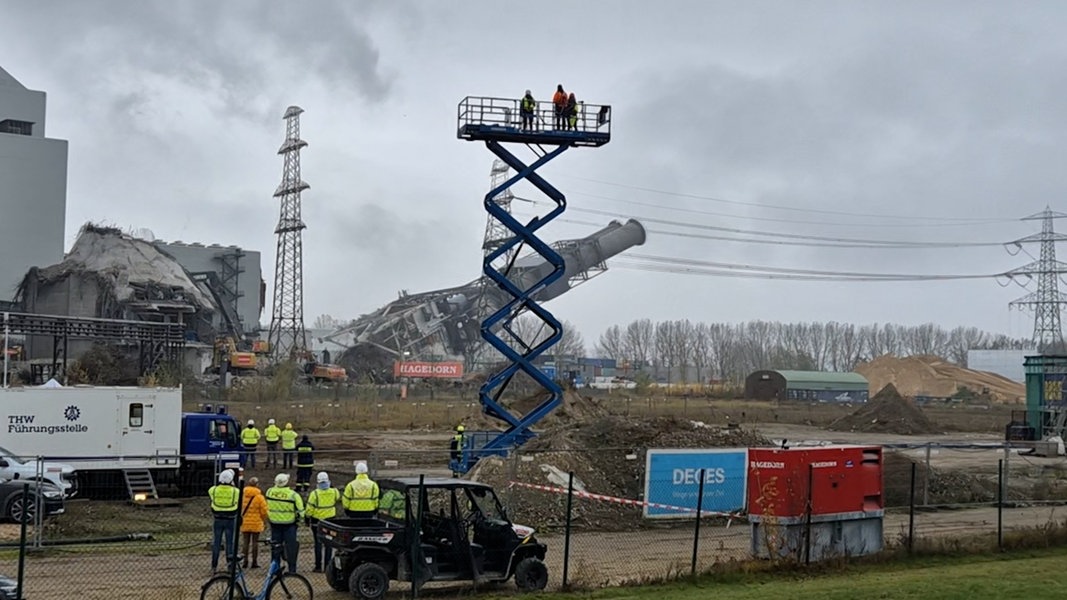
[498, 121]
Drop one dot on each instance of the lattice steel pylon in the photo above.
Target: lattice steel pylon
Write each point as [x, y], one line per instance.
[1048, 300]
[287, 338]
[496, 235]
[493, 120]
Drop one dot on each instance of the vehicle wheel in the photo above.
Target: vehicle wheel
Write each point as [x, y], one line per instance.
[369, 581]
[21, 503]
[531, 575]
[218, 588]
[335, 578]
[290, 586]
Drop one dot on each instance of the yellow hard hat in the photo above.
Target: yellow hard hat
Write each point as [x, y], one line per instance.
[459, 428]
[288, 425]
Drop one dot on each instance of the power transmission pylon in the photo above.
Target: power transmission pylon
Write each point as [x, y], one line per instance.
[287, 338]
[1048, 300]
[496, 235]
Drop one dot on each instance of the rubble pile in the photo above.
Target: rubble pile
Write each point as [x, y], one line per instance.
[887, 412]
[607, 456]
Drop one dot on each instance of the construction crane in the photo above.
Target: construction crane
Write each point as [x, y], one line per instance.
[496, 121]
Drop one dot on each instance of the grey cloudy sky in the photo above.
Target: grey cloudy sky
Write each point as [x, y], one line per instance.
[932, 114]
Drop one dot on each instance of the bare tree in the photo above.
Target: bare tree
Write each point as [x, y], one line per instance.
[611, 344]
[637, 342]
[327, 322]
[702, 351]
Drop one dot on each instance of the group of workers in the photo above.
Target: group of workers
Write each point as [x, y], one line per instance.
[564, 105]
[284, 509]
[275, 437]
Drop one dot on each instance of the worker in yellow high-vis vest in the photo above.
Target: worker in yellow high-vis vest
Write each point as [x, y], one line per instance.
[273, 434]
[249, 441]
[322, 504]
[289, 436]
[225, 500]
[361, 495]
[285, 510]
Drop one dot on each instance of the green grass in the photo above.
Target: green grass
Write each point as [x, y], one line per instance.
[1013, 575]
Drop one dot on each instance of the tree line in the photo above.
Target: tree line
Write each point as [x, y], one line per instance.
[683, 351]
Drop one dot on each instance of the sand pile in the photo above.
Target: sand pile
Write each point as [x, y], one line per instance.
[934, 377]
[887, 412]
[607, 456]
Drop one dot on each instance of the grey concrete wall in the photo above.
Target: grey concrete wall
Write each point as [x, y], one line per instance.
[199, 258]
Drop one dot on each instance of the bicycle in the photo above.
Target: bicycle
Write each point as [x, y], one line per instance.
[290, 586]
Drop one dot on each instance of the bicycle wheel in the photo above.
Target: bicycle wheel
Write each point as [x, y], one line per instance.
[290, 586]
[218, 588]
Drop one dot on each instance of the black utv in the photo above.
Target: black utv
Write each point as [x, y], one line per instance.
[454, 530]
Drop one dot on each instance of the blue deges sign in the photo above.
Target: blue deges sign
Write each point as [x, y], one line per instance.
[672, 481]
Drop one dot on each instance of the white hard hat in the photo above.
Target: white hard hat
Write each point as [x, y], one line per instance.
[323, 477]
[361, 467]
[270, 421]
[281, 480]
[251, 422]
[226, 476]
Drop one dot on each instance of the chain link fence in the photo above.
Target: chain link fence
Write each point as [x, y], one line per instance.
[101, 543]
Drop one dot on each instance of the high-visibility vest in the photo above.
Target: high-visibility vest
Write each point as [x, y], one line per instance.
[392, 504]
[284, 506]
[528, 104]
[272, 433]
[322, 504]
[224, 500]
[304, 457]
[361, 494]
[250, 436]
[288, 439]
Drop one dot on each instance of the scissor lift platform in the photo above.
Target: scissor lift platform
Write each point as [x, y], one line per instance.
[500, 120]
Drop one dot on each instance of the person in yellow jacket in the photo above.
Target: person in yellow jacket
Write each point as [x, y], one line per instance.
[289, 436]
[273, 435]
[249, 441]
[361, 495]
[225, 501]
[322, 504]
[285, 510]
[253, 521]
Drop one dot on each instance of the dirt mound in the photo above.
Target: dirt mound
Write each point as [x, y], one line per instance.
[887, 412]
[931, 376]
[607, 456]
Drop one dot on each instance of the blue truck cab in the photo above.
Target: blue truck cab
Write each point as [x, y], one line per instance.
[209, 441]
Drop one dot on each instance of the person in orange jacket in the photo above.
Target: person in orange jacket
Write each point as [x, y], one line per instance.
[253, 519]
[559, 100]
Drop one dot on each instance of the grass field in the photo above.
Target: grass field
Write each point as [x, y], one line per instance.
[1013, 575]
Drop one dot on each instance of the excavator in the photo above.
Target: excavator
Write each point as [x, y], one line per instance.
[240, 361]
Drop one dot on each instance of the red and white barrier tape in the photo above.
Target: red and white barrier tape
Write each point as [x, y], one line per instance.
[626, 501]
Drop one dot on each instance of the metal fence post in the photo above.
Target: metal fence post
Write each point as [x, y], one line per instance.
[22, 542]
[807, 524]
[416, 565]
[567, 528]
[1000, 504]
[926, 477]
[911, 511]
[696, 531]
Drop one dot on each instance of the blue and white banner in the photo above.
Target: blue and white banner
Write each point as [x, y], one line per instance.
[672, 477]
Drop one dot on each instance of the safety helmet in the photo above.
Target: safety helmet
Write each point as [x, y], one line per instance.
[529, 93]
[270, 421]
[361, 467]
[251, 422]
[322, 477]
[288, 425]
[459, 428]
[281, 479]
[226, 476]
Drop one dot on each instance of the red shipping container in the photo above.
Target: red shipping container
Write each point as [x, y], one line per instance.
[844, 479]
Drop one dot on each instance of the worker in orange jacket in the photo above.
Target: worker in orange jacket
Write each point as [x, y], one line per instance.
[559, 101]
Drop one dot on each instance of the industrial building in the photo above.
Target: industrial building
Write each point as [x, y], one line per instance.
[234, 277]
[810, 386]
[33, 171]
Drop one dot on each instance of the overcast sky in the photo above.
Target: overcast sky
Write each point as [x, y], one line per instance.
[944, 120]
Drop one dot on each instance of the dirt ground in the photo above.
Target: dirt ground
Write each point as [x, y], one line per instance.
[129, 574]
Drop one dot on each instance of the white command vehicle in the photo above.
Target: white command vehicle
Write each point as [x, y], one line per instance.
[107, 433]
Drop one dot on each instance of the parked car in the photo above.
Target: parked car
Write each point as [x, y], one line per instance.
[43, 495]
[15, 467]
